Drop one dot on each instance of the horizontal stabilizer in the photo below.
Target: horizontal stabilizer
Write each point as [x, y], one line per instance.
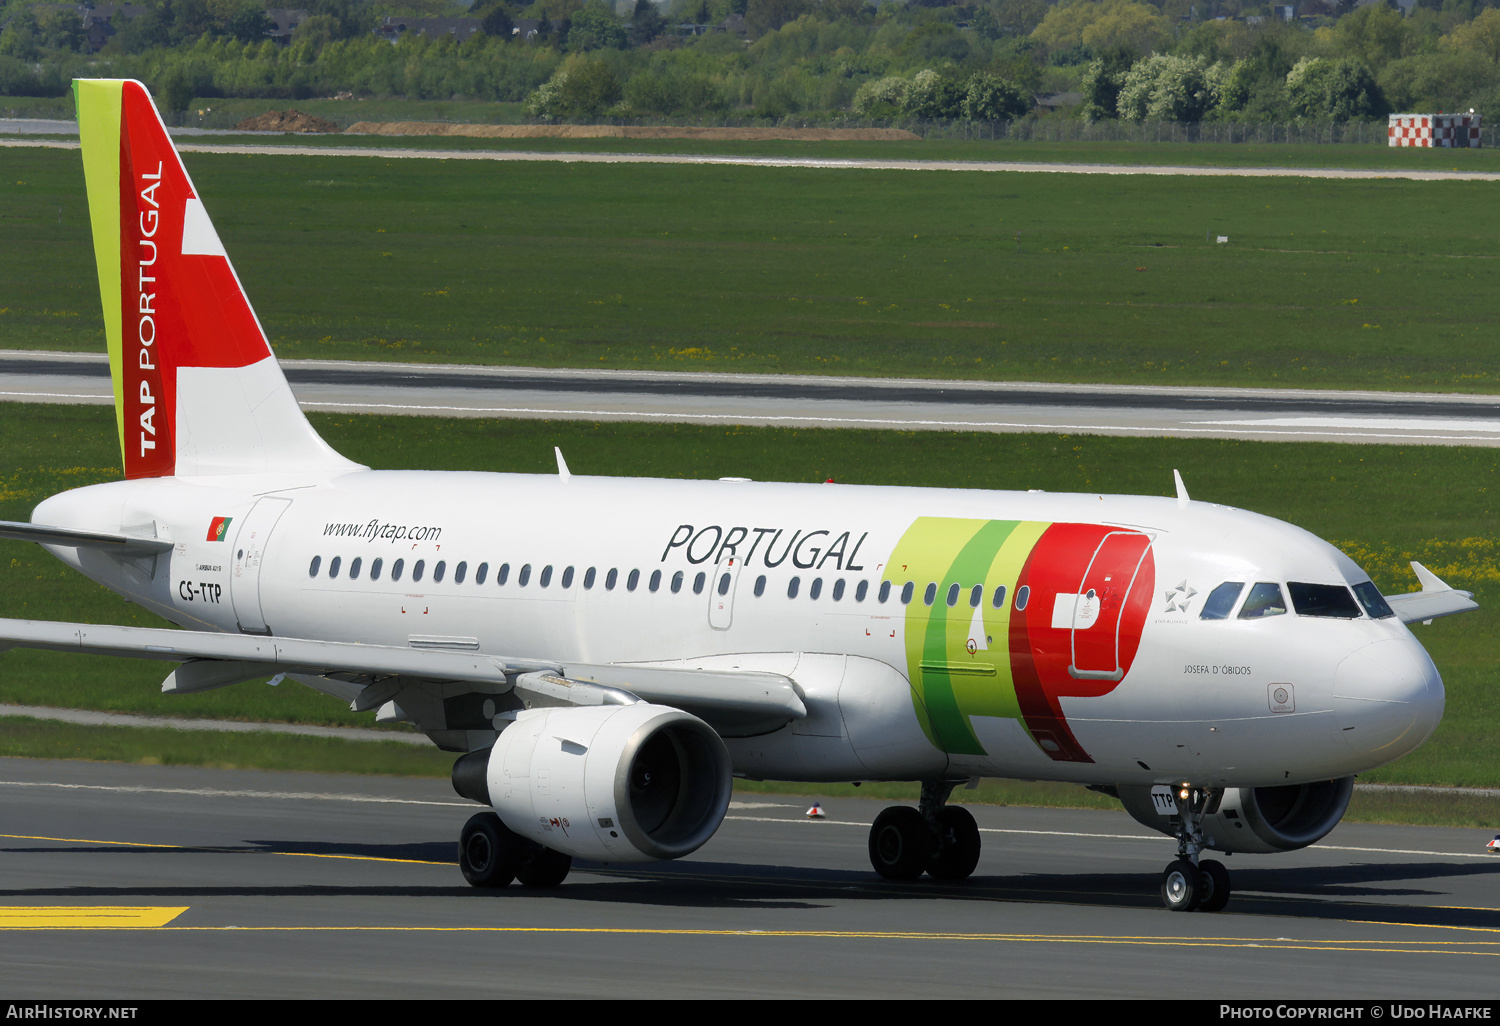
[1435, 599]
[124, 544]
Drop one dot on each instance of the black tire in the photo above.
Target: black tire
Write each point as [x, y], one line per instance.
[543, 867]
[901, 843]
[1213, 883]
[1179, 886]
[488, 852]
[957, 845]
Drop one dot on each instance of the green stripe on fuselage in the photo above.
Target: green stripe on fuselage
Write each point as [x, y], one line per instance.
[950, 683]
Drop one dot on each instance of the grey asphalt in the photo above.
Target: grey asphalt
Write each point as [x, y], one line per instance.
[307, 885]
[832, 402]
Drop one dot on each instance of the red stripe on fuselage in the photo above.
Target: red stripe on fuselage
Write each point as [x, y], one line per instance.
[1069, 559]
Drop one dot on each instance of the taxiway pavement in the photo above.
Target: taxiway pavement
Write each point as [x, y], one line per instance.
[148, 882]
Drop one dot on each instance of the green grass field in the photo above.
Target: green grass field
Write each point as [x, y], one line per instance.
[1382, 504]
[1377, 284]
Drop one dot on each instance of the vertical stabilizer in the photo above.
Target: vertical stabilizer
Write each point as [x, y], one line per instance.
[197, 390]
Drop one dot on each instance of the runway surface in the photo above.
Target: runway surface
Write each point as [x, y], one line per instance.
[29, 133]
[808, 401]
[149, 882]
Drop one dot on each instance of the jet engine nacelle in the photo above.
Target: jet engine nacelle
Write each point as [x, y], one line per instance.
[1256, 820]
[616, 783]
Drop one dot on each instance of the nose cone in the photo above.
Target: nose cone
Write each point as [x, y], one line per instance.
[1388, 698]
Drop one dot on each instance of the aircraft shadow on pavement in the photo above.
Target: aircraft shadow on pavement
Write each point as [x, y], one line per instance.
[1321, 892]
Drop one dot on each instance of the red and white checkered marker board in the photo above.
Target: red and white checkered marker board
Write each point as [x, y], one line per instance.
[816, 812]
[1443, 130]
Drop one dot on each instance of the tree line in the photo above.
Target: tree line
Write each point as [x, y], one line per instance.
[810, 59]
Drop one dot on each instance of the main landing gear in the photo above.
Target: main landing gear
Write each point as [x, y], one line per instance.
[935, 838]
[1190, 882]
[490, 854]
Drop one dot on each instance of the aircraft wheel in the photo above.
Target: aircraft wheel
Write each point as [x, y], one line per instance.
[488, 851]
[1179, 886]
[1213, 883]
[958, 844]
[544, 867]
[900, 843]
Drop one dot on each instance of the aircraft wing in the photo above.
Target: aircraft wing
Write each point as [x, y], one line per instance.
[735, 703]
[1435, 599]
[124, 544]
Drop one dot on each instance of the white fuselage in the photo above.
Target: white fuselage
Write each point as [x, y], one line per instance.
[621, 570]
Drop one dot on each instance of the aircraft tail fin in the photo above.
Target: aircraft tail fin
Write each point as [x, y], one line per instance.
[197, 389]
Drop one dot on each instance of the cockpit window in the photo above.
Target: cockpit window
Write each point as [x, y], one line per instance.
[1221, 600]
[1265, 600]
[1369, 596]
[1332, 600]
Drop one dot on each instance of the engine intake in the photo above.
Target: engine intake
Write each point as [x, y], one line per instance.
[629, 783]
[1256, 820]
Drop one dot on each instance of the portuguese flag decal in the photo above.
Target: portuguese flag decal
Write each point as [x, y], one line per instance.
[218, 528]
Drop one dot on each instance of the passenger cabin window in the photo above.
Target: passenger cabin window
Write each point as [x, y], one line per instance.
[861, 590]
[930, 595]
[567, 578]
[610, 579]
[838, 589]
[546, 578]
[1023, 596]
[312, 568]
[439, 570]
[1265, 600]
[1375, 604]
[976, 596]
[354, 568]
[885, 591]
[677, 580]
[417, 568]
[481, 573]
[698, 583]
[503, 574]
[375, 566]
[999, 600]
[1327, 600]
[396, 569]
[1220, 601]
[655, 584]
[953, 590]
[588, 578]
[724, 584]
[633, 580]
[906, 592]
[816, 588]
[792, 586]
[524, 577]
[333, 567]
[760, 585]
[460, 572]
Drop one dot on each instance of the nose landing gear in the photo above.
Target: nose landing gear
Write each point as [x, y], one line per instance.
[935, 838]
[1190, 882]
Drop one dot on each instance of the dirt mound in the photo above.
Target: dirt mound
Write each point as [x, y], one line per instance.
[624, 132]
[286, 121]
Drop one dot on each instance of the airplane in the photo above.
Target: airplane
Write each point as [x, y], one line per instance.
[605, 655]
